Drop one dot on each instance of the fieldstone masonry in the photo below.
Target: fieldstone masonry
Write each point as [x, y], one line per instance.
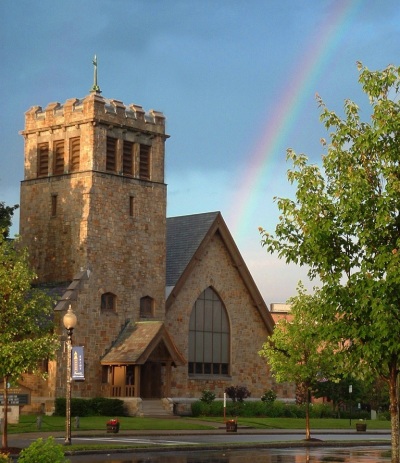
[92, 230]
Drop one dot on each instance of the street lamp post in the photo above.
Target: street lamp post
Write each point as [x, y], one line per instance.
[69, 321]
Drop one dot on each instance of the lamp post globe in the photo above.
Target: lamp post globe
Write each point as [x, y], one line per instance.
[69, 321]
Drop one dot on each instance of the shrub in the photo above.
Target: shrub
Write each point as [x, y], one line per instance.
[200, 408]
[104, 407]
[275, 409]
[79, 407]
[4, 458]
[216, 408]
[258, 408]
[43, 451]
[99, 406]
[207, 396]
[237, 393]
[384, 415]
[269, 396]
[234, 408]
[321, 411]
[293, 411]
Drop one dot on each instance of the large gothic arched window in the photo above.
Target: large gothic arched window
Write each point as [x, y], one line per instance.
[209, 336]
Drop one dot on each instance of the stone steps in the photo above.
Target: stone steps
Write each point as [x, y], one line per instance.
[153, 408]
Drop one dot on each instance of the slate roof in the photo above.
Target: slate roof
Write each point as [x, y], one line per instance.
[184, 236]
[137, 341]
[54, 290]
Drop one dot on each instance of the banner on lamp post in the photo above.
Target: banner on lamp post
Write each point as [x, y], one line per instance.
[78, 364]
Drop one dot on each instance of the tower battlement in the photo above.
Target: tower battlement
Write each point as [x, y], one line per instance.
[97, 109]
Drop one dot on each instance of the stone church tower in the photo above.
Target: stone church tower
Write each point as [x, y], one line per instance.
[93, 217]
[93, 198]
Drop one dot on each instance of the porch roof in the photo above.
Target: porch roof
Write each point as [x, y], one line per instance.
[136, 343]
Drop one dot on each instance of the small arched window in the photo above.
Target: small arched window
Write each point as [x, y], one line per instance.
[108, 302]
[146, 307]
[209, 336]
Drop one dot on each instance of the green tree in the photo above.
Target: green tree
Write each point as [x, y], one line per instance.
[377, 395]
[26, 314]
[297, 353]
[344, 224]
[6, 213]
[338, 392]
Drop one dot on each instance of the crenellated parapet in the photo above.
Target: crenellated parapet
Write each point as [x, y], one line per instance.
[96, 109]
[94, 134]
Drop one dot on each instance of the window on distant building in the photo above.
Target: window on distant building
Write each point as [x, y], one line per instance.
[111, 155]
[209, 336]
[108, 302]
[43, 160]
[127, 158]
[74, 153]
[144, 162]
[146, 307]
[58, 157]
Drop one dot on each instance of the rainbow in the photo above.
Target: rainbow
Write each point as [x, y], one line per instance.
[284, 115]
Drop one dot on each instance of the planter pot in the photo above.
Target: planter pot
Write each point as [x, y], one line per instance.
[113, 428]
[231, 426]
[361, 426]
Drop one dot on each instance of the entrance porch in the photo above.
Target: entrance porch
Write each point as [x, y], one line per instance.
[140, 362]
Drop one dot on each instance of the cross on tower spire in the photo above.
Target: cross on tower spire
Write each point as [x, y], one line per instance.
[95, 88]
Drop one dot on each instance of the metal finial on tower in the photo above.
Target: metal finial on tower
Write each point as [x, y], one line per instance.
[95, 88]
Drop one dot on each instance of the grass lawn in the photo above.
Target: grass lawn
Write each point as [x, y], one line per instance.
[57, 423]
[27, 423]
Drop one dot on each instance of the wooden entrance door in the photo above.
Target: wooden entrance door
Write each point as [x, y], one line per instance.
[150, 381]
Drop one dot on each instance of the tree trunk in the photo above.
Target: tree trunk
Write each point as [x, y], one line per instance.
[308, 430]
[394, 413]
[4, 441]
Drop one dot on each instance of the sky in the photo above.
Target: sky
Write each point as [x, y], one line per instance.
[236, 80]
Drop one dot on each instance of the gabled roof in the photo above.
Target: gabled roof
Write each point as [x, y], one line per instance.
[187, 237]
[184, 236]
[136, 343]
[70, 290]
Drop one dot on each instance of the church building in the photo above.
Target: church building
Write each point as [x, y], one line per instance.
[165, 307]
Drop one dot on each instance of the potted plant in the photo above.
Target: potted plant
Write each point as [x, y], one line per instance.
[361, 426]
[231, 425]
[113, 425]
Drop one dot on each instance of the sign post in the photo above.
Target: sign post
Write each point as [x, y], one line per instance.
[224, 407]
[350, 391]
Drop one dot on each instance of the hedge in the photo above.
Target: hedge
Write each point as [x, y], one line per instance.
[272, 410]
[99, 406]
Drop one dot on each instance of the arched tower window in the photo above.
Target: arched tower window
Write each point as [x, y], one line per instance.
[209, 336]
[146, 307]
[108, 302]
